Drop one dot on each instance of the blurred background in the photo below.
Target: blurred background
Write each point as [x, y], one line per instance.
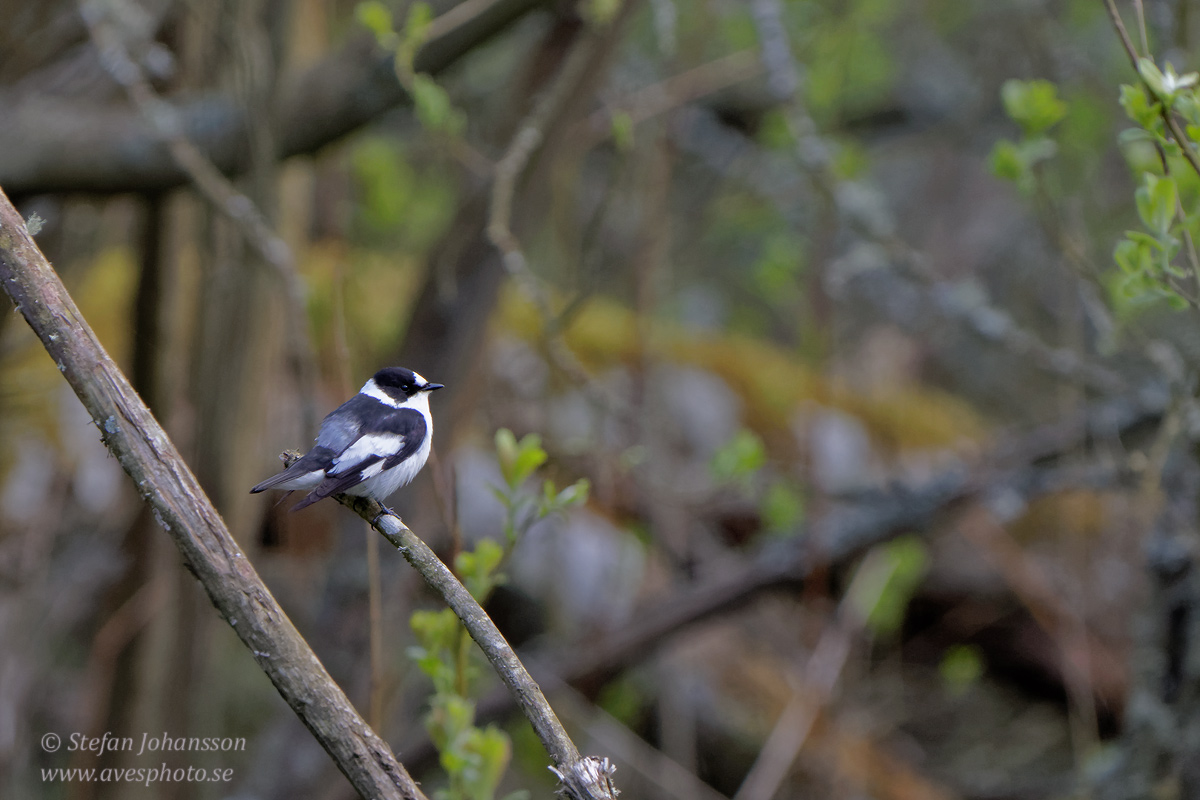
[888, 480]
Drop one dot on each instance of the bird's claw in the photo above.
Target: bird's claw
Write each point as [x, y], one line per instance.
[383, 511]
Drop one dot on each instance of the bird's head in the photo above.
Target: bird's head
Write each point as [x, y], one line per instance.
[401, 384]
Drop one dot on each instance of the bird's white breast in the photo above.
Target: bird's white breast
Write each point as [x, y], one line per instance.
[382, 482]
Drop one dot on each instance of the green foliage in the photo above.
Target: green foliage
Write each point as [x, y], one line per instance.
[1147, 258]
[518, 461]
[740, 458]
[475, 758]
[1036, 108]
[851, 70]
[399, 201]
[961, 667]
[377, 18]
[886, 581]
[778, 269]
[1034, 105]
[433, 105]
[1165, 84]
[478, 568]
[741, 461]
[1140, 109]
[434, 108]
[413, 35]
[782, 507]
[622, 131]
[774, 133]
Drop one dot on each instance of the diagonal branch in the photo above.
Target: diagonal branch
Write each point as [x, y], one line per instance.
[133, 435]
[582, 778]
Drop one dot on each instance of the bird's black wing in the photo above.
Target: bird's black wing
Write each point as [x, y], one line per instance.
[390, 437]
[339, 430]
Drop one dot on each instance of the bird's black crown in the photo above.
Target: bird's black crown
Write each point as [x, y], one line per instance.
[397, 380]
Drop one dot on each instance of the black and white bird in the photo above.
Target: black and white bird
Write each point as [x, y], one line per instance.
[371, 445]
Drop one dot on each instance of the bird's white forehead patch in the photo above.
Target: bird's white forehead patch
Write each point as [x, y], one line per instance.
[371, 389]
[420, 381]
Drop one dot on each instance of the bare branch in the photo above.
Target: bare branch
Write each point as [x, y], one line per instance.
[145, 452]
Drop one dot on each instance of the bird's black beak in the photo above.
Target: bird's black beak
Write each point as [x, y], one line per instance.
[429, 387]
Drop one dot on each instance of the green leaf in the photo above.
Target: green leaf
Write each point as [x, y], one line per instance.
[574, 495]
[1153, 77]
[1142, 238]
[554, 500]
[1006, 161]
[1136, 135]
[740, 458]
[1156, 203]
[431, 101]
[506, 451]
[777, 273]
[1038, 148]
[1165, 84]
[518, 460]
[1127, 254]
[377, 18]
[622, 131]
[782, 508]
[961, 667]
[1139, 108]
[886, 581]
[492, 751]
[477, 568]
[1034, 105]
[1176, 301]
[413, 34]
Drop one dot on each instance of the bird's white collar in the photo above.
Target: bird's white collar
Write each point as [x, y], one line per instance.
[371, 389]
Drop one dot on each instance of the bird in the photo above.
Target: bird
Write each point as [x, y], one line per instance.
[369, 446]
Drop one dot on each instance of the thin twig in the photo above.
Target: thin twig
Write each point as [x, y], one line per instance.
[818, 682]
[1141, 18]
[669, 93]
[509, 171]
[181, 507]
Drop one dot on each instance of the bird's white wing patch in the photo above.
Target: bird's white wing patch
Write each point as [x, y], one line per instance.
[366, 449]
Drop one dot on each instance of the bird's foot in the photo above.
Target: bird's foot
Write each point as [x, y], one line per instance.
[383, 512]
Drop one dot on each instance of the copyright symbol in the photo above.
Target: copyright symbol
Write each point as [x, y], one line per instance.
[51, 742]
